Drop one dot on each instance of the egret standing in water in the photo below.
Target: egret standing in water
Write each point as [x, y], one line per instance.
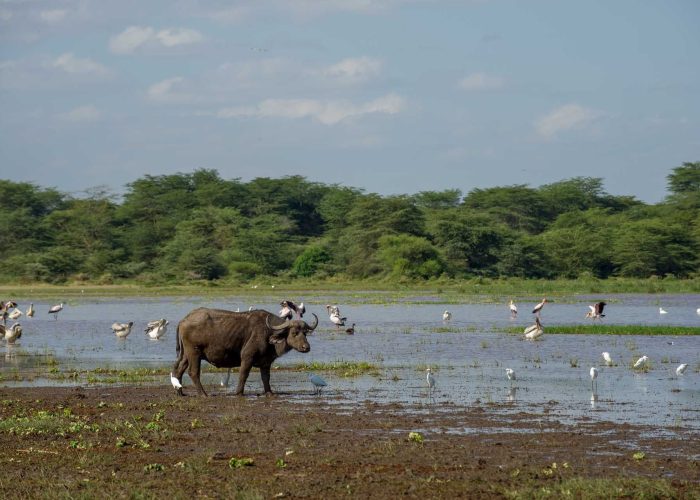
[446, 316]
[510, 373]
[318, 382]
[640, 361]
[594, 377]
[430, 380]
[607, 358]
[662, 310]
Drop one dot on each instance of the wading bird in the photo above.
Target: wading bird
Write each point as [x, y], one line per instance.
[430, 381]
[662, 310]
[122, 330]
[55, 310]
[596, 310]
[510, 373]
[14, 314]
[289, 308]
[594, 379]
[640, 361]
[534, 331]
[318, 382]
[539, 307]
[351, 330]
[334, 316]
[681, 369]
[13, 333]
[157, 328]
[30, 311]
[513, 309]
[607, 358]
[446, 316]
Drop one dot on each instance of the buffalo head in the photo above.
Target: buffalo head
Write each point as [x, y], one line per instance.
[293, 332]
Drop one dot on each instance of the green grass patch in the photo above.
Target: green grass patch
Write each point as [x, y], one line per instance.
[599, 329]
[343, 368]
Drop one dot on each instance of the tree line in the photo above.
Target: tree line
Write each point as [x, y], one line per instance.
[198, 226]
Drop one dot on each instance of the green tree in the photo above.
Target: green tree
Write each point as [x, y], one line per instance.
[409, 256]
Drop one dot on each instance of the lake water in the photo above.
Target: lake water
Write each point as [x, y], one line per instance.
[467, 355]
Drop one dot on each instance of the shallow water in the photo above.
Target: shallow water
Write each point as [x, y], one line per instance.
[468, 358]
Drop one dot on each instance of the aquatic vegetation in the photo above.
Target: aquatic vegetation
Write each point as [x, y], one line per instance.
[617, 330]
[343, 368]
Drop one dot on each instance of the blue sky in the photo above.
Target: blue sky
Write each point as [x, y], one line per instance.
[390, 96]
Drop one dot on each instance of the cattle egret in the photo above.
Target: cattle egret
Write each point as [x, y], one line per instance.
[351, 330]
[430, 381]
[662, 310]
[176, 383]
[640, 361]
[30, 311]
[607, 358]
[122, 330]
[55, 310]
[16, 313]
[446, 316]
[157, 328]
[510, 373]
[513, 309]
[13, 333]
[318, 382]
[596, 310]
[594, 376]
[681, 369]
[534, 331]
[539, 307]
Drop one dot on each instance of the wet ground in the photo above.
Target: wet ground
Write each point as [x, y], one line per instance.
[145, 442]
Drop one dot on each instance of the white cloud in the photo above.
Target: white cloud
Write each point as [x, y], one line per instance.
[326, 112]
[81, 114]
[74, 65]
[52, 16]
[567, 117]
[354, 70]
[137, 37]
[167, 90]
[481, 81]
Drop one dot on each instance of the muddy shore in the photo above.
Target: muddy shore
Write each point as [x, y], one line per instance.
[145, 442]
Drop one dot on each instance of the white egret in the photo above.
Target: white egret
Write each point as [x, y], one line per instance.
[318, 382]
[534, 331]
[430, 379]
[607, 358]
[594, 377]
[176, 383]
[510, 373]
[157, 328]
[122, 330]
[513, 309]
[641, 361]
[681, 369]
[446, 316]
[539, 307]
[662, 310]
[55, 310]
[697, 310]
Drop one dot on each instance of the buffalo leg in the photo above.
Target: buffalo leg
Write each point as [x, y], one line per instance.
[243, 376]
[179, 369]
[194, 370]
[265, 376]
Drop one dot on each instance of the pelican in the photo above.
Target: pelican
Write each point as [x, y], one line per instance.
[351, 330]
[513, 309]
[13, 333]
[156, 329]
[662, 310]
[334, 316]
[596, 310]
[446, 316]
[607, 358]
[16, 313]
[289, 308]
[30, 311]
[122, 330]
[510, 373]
[534, 331]
[640, 361]
[318, 382]
[430, 381]
[55, 310]
[594, 376]
[681, 369]
[539, 307]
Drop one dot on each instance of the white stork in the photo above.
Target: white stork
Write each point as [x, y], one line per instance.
[55, 310]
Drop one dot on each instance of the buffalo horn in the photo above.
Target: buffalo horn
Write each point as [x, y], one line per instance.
[313, 327]
[276, 328]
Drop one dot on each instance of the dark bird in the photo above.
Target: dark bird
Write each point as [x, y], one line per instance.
[55, 310]
[351, 330]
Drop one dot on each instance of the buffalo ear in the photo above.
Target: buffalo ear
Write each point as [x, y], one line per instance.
[278, 337]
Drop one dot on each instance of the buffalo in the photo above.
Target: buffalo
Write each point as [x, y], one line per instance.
[227, 339]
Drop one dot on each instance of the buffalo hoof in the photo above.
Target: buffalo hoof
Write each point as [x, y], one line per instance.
[179, 391]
